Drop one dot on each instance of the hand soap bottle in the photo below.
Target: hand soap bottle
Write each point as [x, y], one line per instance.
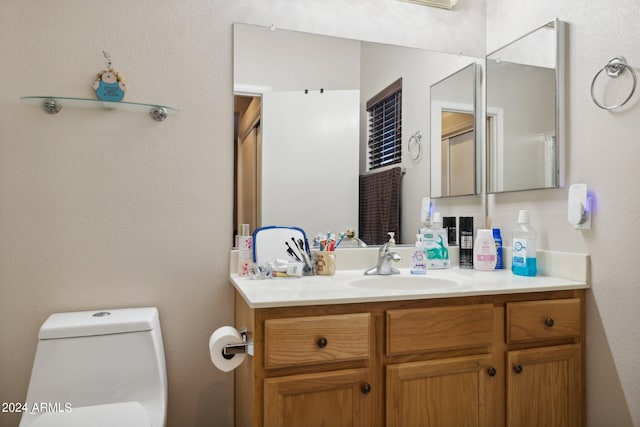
[418, 257]
[524, 247]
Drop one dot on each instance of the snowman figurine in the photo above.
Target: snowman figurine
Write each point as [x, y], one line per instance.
[109, 86]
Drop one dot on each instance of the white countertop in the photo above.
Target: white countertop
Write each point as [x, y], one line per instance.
[350, 286]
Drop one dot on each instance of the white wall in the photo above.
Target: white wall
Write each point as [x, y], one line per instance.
[602, 151]
[109, 209]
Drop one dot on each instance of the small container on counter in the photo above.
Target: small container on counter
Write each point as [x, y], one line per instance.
[465, 234]
[449, 222]
[484, 251]
[498, 239]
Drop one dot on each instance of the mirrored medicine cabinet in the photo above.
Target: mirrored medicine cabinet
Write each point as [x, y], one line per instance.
[524, 111]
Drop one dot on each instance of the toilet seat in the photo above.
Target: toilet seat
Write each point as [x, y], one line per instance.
[124, 414]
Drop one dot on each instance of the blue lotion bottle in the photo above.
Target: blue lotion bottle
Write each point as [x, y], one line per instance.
[498, 239]
[523, 262]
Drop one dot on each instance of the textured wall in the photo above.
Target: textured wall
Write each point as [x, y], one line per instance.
[110, 209]
[602, 151]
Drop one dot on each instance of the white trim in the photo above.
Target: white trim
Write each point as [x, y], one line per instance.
[497, 130]
[247, 89]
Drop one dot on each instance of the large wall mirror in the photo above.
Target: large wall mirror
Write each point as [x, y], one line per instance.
[304, 171]
[524, 111]
[454, 139]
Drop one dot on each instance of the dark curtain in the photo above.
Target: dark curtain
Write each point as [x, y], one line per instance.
[380, 195]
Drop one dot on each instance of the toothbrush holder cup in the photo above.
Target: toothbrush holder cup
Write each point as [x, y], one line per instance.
[326, 263]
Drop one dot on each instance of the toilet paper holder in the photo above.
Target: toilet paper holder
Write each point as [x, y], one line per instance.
[246, 346]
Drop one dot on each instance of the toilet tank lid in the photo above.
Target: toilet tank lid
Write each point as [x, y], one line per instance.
[99, 322]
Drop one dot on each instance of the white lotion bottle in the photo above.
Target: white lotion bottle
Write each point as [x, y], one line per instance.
[484, 251]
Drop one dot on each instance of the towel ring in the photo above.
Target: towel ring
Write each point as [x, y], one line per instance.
[415, 141]
[614, 67]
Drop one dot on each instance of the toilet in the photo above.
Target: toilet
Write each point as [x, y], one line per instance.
[101, 368]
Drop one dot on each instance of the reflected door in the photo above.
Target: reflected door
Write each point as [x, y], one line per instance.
[310, 159]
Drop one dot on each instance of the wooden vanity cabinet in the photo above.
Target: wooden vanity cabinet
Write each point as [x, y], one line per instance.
[487, 361]
[545, 380]
[456, 379]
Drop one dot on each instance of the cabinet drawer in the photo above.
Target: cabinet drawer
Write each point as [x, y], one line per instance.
[540, 320]
[439, 328]
[319, 339]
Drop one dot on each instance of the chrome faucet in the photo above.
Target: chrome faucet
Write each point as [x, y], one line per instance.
[385, 256]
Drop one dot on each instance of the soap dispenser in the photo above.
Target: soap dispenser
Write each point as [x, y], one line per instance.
[418, 257]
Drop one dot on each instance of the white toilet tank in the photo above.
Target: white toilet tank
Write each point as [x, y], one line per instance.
[98, 368]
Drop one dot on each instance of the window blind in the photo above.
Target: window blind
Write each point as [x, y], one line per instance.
[385, 126]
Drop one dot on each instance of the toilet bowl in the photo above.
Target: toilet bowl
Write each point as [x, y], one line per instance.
[98, 369]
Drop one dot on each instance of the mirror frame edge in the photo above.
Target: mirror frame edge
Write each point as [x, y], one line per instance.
[479, 139]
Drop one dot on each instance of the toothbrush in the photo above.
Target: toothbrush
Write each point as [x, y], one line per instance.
[291, 252]
[302, 251]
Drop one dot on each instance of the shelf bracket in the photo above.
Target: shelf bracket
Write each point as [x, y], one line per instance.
[158, 113]
[51, 106]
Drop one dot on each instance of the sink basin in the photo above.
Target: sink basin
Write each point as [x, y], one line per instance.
[425, 282]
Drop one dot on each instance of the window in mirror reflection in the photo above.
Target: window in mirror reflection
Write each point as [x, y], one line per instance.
[385, 126]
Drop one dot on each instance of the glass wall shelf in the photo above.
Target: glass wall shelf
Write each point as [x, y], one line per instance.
[53, 105]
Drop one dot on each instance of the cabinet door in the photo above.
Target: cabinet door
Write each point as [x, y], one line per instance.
[544, 387]
[454, 392]
[325, 399]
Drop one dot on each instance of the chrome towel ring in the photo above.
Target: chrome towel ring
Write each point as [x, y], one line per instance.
[613, 68]
[414, 145]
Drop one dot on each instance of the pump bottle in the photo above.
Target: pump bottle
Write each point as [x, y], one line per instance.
[418, 257]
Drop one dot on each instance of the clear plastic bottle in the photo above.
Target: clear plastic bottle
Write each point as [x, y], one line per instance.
[418, 257]
[524, 247]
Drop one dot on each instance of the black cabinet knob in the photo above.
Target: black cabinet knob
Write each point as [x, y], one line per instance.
[517, 369]
[322, 342]
[549, 322]
[492, 372]
[366, 388]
